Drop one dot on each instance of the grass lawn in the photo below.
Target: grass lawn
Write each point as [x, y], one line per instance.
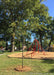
[39, 67]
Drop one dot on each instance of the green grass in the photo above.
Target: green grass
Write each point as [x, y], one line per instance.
[39, 67]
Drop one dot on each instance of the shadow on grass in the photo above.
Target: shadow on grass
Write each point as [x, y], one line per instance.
[51, 71]
[49, 61]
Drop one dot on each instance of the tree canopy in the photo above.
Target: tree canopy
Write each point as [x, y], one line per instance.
[20, 18]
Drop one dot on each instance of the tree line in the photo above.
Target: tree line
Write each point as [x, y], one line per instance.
[19, 19]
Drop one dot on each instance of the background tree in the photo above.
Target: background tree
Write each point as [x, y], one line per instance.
[39, 21]
[51, 32]
[23, 33]
[17, 10]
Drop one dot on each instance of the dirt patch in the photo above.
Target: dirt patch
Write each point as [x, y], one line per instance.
[35, 55]
[24, 69]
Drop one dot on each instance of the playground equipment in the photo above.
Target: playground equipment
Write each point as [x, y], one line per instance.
[35, 47]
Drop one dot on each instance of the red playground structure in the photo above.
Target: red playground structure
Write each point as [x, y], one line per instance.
[35, 47]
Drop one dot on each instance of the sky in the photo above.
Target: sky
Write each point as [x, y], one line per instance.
[50, 5]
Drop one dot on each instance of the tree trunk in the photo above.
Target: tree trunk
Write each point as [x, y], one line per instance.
[12, 43]
[41, 41]
[24, 42]
[27, 45]
[50, 42]
[19, 45]
[6, 45]
[49, 45]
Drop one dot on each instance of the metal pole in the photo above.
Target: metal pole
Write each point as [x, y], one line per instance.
[22, 51]
[22, 54]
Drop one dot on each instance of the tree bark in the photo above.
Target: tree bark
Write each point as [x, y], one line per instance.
[41, 41]
[19, 45]
[6, 45]
[50, 42]
[49, 45]
[24, 42]
[13, 43]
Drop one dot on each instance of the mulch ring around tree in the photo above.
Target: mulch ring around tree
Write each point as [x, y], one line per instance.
[24, 69]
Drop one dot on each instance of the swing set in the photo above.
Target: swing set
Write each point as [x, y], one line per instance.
[35, 46]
